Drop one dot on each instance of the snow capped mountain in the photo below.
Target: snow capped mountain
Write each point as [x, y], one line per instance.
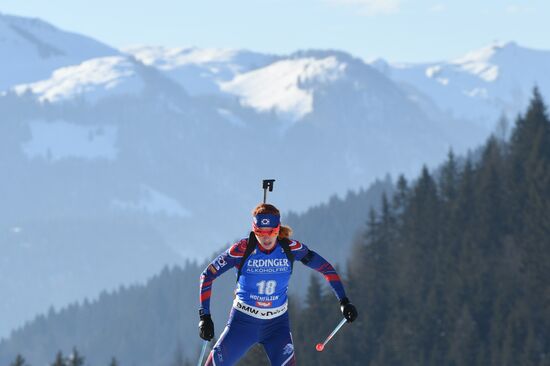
[36, 48]
[482, 85]
[285, 86]
[143, 162]
[92, 80]
[200, 71]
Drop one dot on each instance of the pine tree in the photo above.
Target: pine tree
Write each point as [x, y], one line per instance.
[465, 340]
[75, 358]
[19, 361]
[529, 153]
[59, 360]
[449, 179]
[502, 130]
[401, 195]
[313, 320]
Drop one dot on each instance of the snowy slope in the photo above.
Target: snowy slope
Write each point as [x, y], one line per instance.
[91, 80]
[200, 71]
[481, 85]
[285, 86]
[31, 49]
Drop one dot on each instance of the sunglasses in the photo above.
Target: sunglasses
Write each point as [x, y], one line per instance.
[266, 231]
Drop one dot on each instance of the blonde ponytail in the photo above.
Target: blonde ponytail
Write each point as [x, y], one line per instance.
[285, 232]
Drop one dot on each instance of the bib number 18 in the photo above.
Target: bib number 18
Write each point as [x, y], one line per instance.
[266, 287]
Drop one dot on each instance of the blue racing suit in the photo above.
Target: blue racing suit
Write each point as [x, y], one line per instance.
[259, 313]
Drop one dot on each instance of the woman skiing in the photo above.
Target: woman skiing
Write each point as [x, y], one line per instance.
[259, 315]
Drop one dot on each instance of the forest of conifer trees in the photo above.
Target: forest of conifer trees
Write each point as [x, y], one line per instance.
[453, 269]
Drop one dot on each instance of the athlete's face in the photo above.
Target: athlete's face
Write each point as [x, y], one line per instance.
[267, 242]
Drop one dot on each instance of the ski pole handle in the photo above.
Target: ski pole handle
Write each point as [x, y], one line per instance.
[204, 344]
[320, 346]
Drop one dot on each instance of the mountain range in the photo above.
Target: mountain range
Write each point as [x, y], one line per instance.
[119, 162]
[481, 86]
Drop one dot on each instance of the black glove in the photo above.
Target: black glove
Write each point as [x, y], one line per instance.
[206, 327]
[348, 310]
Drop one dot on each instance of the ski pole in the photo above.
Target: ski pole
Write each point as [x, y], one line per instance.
[267, 184]
[320, 346]
[202, 353]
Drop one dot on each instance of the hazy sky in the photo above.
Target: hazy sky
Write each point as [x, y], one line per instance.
[397, 30]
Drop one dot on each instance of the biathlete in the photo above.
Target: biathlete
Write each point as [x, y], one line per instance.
[259, 315]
